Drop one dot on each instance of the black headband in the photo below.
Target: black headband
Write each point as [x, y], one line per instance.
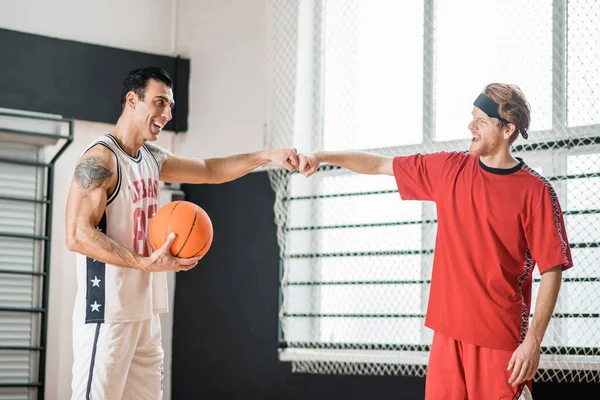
[488, 106]
[491, 108]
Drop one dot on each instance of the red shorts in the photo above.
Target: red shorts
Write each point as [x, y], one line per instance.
[460, 371]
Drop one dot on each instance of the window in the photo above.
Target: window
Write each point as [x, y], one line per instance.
[479, 42]
[373, 62]
[356, 259]
[584, 63]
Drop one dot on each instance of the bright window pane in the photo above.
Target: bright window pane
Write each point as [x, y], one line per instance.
[584, 63]
[373, 61]
[483, 41]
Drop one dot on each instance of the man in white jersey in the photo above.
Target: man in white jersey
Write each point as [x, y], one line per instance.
[121, 283]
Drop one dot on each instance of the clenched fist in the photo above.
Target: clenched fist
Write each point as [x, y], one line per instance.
[308, 164]
[284, 158]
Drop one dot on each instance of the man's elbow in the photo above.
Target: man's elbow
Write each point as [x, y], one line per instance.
[72, 242]
[74, 239]
[385, 166]
[215, 175]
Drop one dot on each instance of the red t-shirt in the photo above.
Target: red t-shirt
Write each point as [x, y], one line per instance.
[494, 226]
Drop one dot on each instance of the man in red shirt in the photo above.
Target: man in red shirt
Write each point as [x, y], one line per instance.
[497, 219]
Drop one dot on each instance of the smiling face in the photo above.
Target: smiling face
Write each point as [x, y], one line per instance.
[488, 138]
[152, 112]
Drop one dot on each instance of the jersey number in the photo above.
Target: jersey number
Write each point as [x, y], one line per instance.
[140, 221]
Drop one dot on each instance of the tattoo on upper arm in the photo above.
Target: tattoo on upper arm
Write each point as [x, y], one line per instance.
[91, 173]
[158, 153]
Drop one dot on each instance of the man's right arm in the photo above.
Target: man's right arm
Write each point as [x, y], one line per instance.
[94, 178]
[359, 162]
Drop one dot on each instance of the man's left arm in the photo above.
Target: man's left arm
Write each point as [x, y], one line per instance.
[526, 359]
[176, 169]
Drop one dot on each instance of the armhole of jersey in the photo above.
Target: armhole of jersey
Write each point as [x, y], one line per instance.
[118, 185]
[154, 158]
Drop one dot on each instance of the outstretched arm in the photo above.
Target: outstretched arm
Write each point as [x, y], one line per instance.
[526, 359]
[359, 162]
[176, 169]
[94, 178]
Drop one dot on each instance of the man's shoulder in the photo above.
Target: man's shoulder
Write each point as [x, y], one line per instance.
[453, 160]
[535, 185]
[441, 156]
[535, 178]
[100, 149]
[454, 156]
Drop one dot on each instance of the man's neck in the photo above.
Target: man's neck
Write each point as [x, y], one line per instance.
[126, 134]
[502, 160]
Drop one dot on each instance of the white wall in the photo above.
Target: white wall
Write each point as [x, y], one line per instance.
[225, 40]
[142, 25]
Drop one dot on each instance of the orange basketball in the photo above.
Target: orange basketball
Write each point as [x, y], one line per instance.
[191, 225]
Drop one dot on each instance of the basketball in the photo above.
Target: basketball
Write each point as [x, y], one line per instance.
[191, 225]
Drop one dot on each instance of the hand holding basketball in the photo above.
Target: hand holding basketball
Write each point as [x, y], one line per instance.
[180, 235]
[162, 259]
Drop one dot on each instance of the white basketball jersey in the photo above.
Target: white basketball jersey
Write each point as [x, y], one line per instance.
[110, 293]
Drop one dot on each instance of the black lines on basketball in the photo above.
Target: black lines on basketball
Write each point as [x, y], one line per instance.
[191, 225]
[189, 232]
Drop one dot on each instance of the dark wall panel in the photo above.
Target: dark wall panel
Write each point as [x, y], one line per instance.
[225, 315]
[78, 80]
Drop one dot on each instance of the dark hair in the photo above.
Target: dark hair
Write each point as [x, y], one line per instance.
[137, 80]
